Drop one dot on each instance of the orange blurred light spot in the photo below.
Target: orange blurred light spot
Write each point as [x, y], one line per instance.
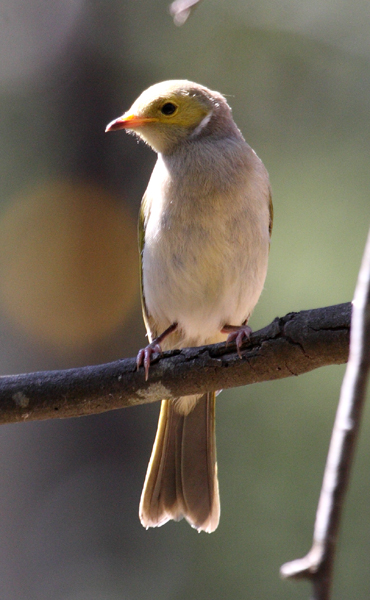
[68, 263]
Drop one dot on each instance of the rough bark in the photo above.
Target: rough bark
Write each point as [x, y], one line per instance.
[291, 345]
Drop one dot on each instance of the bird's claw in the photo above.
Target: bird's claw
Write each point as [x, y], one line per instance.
[144, 357]
[238, 336]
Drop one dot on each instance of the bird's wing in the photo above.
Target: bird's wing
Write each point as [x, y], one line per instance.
[271, 211]
[143, 218]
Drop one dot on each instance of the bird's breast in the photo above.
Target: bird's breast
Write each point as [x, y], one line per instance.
[204, 257]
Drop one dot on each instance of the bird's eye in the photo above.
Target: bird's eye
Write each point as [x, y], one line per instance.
[168, 109]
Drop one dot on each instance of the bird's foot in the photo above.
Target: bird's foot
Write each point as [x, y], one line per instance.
[237, 334]
[145, 354]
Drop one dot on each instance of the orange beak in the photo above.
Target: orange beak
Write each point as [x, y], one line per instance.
[128, 122]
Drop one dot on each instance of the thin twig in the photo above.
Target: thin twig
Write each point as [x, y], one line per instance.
[294, 344]
[318, 564]
[180, 10]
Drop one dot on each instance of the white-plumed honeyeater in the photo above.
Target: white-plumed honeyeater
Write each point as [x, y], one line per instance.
[204, 234]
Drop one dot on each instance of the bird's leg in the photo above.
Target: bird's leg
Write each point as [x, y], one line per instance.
[237, 334]
[144, 355]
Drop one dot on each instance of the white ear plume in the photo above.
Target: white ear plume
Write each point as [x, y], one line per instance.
[204, 122]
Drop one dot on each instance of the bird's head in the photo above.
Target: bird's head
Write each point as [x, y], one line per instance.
[173, 112]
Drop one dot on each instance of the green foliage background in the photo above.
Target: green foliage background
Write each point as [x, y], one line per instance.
[298, 78]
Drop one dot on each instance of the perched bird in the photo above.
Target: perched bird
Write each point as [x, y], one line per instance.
[204, 235]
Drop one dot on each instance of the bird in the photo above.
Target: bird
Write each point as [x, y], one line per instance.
[204, 237]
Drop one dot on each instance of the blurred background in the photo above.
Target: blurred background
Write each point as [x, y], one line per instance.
[298, 78]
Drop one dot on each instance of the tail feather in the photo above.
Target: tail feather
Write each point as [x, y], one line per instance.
[181, 480]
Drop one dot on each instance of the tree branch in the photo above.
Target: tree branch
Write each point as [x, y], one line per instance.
[317, 565]
[292, 345]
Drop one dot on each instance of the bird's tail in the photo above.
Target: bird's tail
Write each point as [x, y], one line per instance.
[181, 479]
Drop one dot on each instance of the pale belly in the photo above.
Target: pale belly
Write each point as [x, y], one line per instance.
[203, 277]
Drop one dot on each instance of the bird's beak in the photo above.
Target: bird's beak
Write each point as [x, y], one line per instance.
[128, 121]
